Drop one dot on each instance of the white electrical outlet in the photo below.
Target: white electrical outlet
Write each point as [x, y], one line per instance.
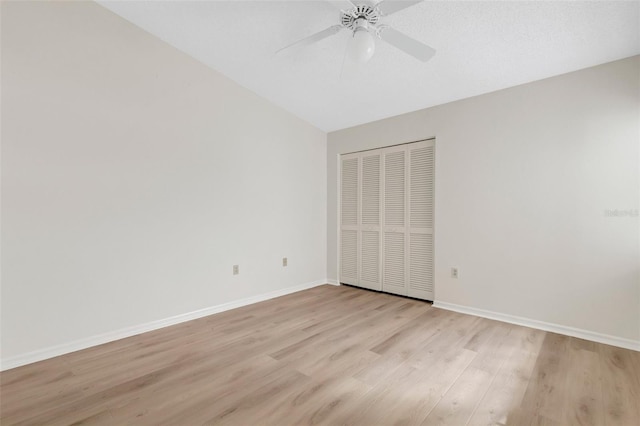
[236, 269]
[454, 272]
[284, 261]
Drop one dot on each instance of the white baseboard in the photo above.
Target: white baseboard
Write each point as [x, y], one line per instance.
[332, 281]
[65, 348]
[541, 325]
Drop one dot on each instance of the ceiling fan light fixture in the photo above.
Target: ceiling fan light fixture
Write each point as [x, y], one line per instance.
[363, 21]
[363, 46]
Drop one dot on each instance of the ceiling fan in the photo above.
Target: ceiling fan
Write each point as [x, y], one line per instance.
[363, 18]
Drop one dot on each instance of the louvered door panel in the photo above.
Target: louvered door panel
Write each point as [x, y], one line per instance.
[394, 239]
[371, 190]
[370, 246]
[349, 204]
[420, 230]
[394, 188]
[370, 265]
[394, 263]
[421, 266]
[349, 257]
[349, 195]
[421, 187]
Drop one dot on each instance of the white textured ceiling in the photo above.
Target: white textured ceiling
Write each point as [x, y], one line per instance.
[481, 47]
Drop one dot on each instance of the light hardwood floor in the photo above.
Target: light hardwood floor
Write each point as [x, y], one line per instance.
[337, 356]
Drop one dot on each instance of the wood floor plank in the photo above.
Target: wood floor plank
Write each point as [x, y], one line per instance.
[547, 391]
[331, 356]
[620, 389]
[458, 403]
[584, 403]
[190, 388]
[507, 389]
[408, 394]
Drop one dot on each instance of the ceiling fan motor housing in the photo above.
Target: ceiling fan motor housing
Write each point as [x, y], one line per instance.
[353, 18]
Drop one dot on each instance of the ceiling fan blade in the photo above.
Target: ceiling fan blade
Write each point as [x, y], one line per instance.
[407, 44]
[312, 38]
[342, 4]
[387, 7]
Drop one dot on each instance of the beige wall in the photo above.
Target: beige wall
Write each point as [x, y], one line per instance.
[134, 177]
[523, 179]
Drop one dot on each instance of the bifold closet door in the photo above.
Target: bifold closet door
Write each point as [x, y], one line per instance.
[370, 218]
[421, 162]
[386, 222]
[394, 179]
[350, 209]
[360, 197]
